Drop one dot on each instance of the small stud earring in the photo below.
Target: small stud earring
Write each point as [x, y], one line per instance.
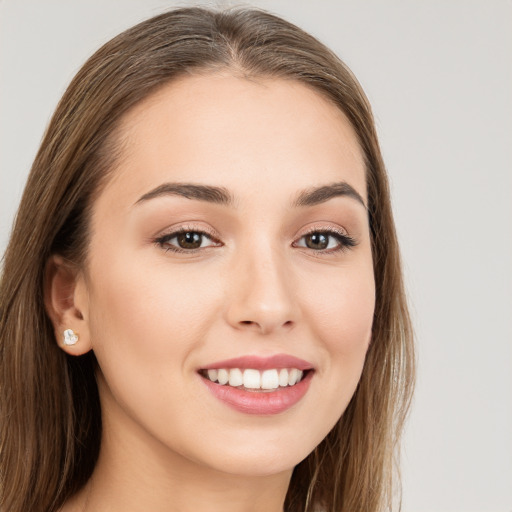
[70, 337]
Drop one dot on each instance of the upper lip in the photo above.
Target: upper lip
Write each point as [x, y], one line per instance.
[262, 362]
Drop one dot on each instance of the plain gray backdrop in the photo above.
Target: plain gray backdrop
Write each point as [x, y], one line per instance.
[439, 77]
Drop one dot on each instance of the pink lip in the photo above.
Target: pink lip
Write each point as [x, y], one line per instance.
[262, 363]
[260, 402]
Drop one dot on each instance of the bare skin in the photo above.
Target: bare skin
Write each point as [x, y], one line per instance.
[268, 275]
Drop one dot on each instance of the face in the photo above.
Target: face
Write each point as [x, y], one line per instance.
[231, 244]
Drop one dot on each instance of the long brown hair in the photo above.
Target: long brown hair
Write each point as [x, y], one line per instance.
[50, 423]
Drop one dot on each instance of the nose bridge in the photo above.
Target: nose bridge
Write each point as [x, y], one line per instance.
[262, 297]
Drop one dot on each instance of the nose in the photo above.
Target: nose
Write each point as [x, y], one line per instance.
[262, 297]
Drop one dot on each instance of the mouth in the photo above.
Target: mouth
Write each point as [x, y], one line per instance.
[253, 380]
[256, 385]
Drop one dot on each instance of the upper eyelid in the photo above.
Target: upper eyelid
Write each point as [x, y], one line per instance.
[166, 238]
[345, 239]
[330, 229]
[174, 231]
[344, 236]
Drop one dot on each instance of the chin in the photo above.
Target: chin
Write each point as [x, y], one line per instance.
[261, 464]
[258, 452]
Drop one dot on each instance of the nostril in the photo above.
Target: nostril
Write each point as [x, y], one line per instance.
[263, 326]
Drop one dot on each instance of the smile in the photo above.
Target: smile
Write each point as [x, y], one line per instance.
[252, 379]
[259, 385]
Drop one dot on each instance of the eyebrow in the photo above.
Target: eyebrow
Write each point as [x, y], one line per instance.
[220, 195]
[318, 195]
[208, 193]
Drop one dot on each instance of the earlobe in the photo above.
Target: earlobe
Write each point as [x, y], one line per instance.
[65, 301]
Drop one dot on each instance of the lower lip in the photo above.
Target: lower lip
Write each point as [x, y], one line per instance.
[260, 402]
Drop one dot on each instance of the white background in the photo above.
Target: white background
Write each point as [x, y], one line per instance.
[439, 76]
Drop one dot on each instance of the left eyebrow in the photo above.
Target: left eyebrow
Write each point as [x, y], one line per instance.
[318, 195]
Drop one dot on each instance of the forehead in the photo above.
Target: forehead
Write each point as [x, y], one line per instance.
[241, 133]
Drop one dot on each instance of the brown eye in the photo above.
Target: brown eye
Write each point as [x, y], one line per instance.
[183, 241]
[317, 241]
[189, 240]
[326, 241]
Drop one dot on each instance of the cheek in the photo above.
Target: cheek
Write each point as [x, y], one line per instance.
[147, 315]
[142, 296]
[343, 316]
[146, 321]
[342, 308]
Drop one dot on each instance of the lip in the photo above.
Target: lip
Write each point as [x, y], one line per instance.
[277, 361]
[260, 402]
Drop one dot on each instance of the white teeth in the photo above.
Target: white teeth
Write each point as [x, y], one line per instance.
[292, 376]
[235, 377]
[283, 377]
[254, 379]
[223, 376]
[269, 379]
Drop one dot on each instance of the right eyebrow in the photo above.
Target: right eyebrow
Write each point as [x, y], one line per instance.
[208, 193]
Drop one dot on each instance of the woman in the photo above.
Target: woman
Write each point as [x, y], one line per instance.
[202, 302]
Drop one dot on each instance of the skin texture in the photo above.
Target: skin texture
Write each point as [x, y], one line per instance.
[154, 317]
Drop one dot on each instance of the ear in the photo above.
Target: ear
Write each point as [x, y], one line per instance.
[66, 302]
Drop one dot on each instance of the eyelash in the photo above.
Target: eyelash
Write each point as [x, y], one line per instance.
[345, 241]
[164, 240]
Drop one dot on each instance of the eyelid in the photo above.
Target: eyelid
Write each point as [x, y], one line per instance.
[345, 240]
[163, 237]
[188, 225]
[325, 229]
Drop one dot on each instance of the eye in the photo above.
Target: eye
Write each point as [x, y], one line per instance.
[326, 240]
[185, 240]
